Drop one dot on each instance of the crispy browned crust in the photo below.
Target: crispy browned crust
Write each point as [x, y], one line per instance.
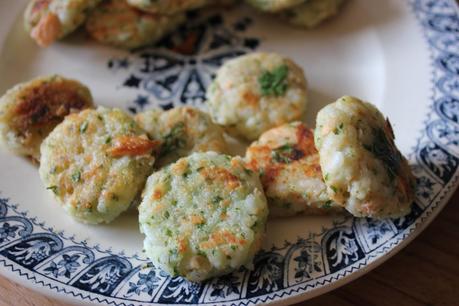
[47, 105]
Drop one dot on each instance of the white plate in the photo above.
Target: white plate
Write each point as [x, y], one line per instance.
[401, 55]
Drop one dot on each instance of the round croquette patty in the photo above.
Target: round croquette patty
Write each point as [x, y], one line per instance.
[203, 216]
[362, 167]
[30, 111]
[95, 163]
[116, 23]
[256, 92]
[288, 163]
[49, 20]
[182, 131]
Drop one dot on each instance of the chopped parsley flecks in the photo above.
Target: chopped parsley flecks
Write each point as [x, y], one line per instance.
[84, 127]
[339, 129]
[248, 171]
[274, 83]
[286, 154]
[176, 271]
[54, 189]
[328, 204]
[187, 173]
[217, 199]
[200, 225]
[385, 151]
[174, 140]
[76, 176]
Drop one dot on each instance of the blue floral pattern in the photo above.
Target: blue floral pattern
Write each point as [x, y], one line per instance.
[187, 61]
[147, 283]
[7, 232]
[65, 267]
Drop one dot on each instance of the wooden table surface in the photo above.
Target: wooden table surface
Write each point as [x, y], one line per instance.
[426, 273]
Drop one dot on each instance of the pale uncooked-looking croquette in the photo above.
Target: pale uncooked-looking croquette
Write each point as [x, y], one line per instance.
[95, 163]
[168, 7]
[273, 6]
[312, 12]
[182, 131]
[203, 216]
[49, 20]
[288, 164]
[116, 23]
[362, 167]
[30, 111]
[256, 92]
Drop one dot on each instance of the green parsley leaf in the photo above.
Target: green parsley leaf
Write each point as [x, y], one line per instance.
[174, 140]
[286, 154]
[217, 200]
[54, 189]
[200, 225]
[84, 127]
[338, 129]
[76, 176]
[248, 171]
[187, 173]
[274, 83]
[384, 150]
[328, 204]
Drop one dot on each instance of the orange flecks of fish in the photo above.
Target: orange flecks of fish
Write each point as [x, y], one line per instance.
[182, 245]
[216, 174]
[132, 146]
[250, 98]
[221, 237]
[180, 167]
[47, 30]
[196, 219]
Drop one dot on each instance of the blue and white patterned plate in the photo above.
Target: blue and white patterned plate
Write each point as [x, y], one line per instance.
[401, 55]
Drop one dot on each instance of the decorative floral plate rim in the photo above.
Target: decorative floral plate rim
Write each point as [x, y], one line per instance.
[39, 257]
